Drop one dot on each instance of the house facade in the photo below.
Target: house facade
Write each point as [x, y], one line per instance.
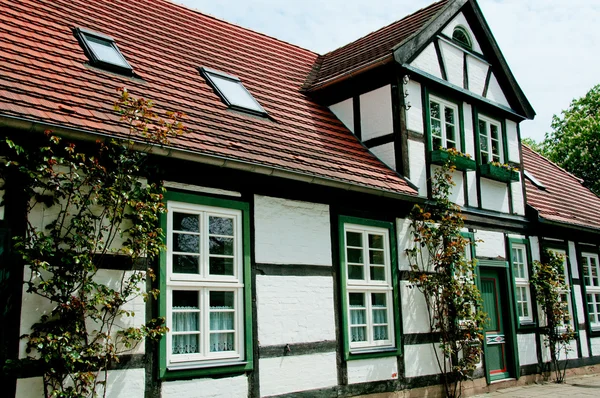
[285, 272]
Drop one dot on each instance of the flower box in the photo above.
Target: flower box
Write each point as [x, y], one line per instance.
[497, 173]
[461, 163]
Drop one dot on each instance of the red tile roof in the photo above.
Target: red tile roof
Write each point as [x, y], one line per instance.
[44, 77]
[564, 200]
[371, 49]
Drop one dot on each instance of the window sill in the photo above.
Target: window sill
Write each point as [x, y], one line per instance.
[498, 173]
[462, 163]
[208, 369]
[367, 353]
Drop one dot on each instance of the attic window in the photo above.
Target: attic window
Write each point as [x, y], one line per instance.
[102, 51]
[461, 36]
[534, 180]
[232, 91]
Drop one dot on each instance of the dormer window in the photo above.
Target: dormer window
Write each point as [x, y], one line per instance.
[232, 91]
[462, 37]
[102, 51]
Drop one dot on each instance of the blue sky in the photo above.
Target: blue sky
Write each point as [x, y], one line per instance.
[552, 46]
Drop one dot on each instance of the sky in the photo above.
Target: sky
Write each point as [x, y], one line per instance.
[551, 46]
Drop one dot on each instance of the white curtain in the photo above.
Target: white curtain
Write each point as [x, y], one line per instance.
[186, 322]
[221, 321]
[358, 317]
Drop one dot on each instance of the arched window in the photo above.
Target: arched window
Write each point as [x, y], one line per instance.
[461, 36]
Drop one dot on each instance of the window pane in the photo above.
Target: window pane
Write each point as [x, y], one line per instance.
[379, 316]
[353, 239]
[449, 115]
[483, 128]
[221, 342]
[186, 321]
[494, 131]
[223, 246]
[436, 128]
[355, 255]
[376, 257]
[235, 93]
[375, 241]
[220, 226]
[358, 333]
[377, 273]
[355, 272]
[186, 264]
[380, 333]
[221, 321]
[434, 108]
[183, 299]
[220, 300]
[186, 222]
[105, 51]
[357, 299]
[378, 300]
[186, 344]
[436, 143]
[483, 144]
[220, 266]
[186, 243]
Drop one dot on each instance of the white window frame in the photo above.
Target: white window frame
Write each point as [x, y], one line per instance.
[444, 137]
[592, 287]
[522, 282]
[367, 286]
[488, 138]
[203, 283]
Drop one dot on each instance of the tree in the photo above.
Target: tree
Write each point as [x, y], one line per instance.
[445, 276]
[102, 206]
[548, 281]
[574, 143]
[533, 144]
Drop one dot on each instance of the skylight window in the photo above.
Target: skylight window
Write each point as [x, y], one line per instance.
[232, 91]
[102, 51]
[534, 180]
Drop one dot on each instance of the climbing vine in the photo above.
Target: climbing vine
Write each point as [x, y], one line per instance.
[445, 275]
[97, 208]
[551, 292]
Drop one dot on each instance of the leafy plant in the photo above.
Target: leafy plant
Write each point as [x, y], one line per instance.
[102, 210]
[455, 152]
[445, 276]
[548, 281]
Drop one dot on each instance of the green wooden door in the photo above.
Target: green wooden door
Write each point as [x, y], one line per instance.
[494, 303]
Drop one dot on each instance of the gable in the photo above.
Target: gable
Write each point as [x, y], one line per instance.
[478, 70]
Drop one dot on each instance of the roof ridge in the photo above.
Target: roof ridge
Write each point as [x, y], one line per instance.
[188, 8]
[385, 27]
[579, 180]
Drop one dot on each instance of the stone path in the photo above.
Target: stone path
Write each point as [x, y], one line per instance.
[576, 386]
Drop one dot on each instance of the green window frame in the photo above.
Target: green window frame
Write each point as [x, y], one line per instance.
[520, 270]
[490, 133]
[461, 36]
[444, 124]
[590, 265]
[205, 287]
[369, 285]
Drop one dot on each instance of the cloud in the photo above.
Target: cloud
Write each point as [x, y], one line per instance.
[550, 45]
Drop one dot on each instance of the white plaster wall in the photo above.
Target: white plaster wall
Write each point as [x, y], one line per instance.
[420, 360]
[573, 260]
[495, 92]
[414, 310]
[494, 195]
[458, 190]
[491, 245]
[517, 197]
[376, 113]
[418, 170]
[534, 242]
[468, 125]
[121, 383]
[595, 346]
[345, 112]
[414, 116]
[386, 154]
[477, 71]
[462, 21]
[366, 370]
[453, 62]
[207, 388]
[294, 309]
[472, 188]
[427, 61]
[579, 304]
[527, 349]
[585, 352]
[404, 241]
[291, 232]
[514, 152]
[296, 373]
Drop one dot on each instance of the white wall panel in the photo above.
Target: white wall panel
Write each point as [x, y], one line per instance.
[491, 245]
[291, 232]
[468, 127]
[376, 113]
[386, 154]
[296, 373]
[420, 360]
[494, 195]
[345, 112]
[414, 116]
[527, 349]
[573, 260]
[517, 197]
[414, 310]
[495, 92]
[514, 151]
[427, 61]
[206, 388]
[477, 71]
[367, 370]
[453, 62]
[472, 188]
[418, 168]
[294, 309]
